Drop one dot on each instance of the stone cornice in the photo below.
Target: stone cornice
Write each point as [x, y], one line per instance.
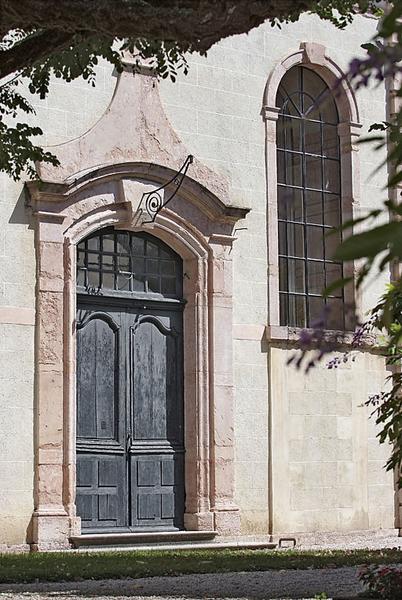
[45, 193]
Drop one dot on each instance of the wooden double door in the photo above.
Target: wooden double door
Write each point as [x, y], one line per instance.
[130, 443]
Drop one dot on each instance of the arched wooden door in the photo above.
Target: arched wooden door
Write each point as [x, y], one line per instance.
[130, 441]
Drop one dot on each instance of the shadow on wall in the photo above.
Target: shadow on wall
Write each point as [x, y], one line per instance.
[22, 214]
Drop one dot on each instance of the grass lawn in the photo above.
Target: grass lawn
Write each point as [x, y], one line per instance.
[28, 568]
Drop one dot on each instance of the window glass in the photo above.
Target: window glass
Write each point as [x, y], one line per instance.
[309, 205]
[313, 172]
[315, 242]
[295, 240]
[290, 204]
[316, 276]
[291, 134]
[126, 262]
[312, 137]
[313, 207]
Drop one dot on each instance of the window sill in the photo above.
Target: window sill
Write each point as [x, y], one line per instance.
[289, 337]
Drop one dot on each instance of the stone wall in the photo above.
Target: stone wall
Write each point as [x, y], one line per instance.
[327, 466]
[217, 111]
[318, 434]
[17, 270]
[68, 112]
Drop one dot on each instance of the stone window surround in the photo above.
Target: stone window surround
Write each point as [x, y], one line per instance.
[313, 56]
[65, 214]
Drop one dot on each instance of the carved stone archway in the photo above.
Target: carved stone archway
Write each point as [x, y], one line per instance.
[200, 229]
[99, 182]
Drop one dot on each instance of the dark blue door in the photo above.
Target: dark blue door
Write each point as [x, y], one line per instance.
[130, 439]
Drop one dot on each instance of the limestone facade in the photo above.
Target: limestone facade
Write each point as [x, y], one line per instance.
[269, 450]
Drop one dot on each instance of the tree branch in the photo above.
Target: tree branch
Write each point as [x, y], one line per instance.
[199, 23]
[31, 50]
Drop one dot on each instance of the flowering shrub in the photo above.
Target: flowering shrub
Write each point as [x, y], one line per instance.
[382, 581]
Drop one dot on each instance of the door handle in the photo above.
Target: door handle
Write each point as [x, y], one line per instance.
[129, 441]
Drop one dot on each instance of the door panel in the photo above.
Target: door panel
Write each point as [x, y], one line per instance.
[101, 490]
[156, 453]
[156, 389]
[101, 461]
[157, 490]
[97, 393]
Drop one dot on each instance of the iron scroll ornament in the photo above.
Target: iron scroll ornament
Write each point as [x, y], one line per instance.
[152, 202]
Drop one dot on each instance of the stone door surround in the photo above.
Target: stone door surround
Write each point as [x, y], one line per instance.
[199, 227]
[102, 175]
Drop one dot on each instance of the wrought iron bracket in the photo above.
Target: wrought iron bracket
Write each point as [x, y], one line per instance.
[153, 202]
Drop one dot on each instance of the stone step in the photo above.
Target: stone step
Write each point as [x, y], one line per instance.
[190, 545]
[89, 540]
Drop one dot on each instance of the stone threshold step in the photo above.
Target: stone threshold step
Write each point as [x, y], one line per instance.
[181, 546]
[120, 539]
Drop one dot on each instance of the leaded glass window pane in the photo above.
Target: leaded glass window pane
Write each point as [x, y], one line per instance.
[110, 262]
[309, 203]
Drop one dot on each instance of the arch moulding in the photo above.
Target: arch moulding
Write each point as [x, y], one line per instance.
[199, 227]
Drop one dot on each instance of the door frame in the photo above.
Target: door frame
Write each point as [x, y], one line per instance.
[200, 229]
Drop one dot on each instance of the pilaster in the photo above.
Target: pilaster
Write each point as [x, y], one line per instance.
[50, 519]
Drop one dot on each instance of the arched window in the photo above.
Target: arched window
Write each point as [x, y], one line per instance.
[309, 200]
[121, 262]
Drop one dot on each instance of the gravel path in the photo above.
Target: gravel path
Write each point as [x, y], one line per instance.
[355, 542]
[336, 583]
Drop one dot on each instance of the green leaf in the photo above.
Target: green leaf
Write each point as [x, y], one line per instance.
[339, 283]
[369, 243]
[352, 222]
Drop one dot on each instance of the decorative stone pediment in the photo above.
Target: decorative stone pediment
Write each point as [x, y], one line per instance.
[126, 183]
[134, 129]
[131, 151]
[114, 194]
